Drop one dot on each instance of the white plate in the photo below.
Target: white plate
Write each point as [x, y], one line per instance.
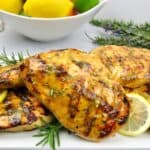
[24, 141]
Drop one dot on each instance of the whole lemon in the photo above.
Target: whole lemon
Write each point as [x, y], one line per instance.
[13, 6]
[48, 8]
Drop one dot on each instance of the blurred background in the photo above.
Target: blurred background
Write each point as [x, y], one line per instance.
[136, 10]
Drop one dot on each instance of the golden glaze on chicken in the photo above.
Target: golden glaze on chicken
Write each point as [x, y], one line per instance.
[129, 66]
[20, 111]
[76, 88]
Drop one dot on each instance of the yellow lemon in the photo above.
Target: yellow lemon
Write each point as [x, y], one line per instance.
[13, 6]
[48, 8]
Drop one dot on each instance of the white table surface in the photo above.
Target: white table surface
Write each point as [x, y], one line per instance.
[13, 42]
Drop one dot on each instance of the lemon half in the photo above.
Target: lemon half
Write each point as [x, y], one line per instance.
[139, 119]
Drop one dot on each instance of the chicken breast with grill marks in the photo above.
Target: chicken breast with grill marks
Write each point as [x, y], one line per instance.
[129, 66]
[20, 111]
[75, 87]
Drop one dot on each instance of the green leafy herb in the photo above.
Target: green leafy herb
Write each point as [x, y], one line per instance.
[12, 59]
[49, 135]
[123, 33]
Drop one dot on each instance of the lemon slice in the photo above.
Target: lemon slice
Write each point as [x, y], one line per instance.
[3, 95]
[139, 119]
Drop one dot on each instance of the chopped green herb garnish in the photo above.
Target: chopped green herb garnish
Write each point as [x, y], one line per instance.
[55, 92]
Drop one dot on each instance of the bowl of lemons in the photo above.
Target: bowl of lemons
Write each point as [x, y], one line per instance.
[48, 20]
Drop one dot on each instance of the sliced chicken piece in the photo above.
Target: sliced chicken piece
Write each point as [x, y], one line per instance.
[129, 66]
[20, 111]
[75, 87]
[10, 77]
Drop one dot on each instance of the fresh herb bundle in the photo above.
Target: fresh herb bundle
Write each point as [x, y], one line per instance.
[123, 33]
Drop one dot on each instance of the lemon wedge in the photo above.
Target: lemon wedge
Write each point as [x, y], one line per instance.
[139, 119]
[13, 6]
[3, 95]
[48, 8]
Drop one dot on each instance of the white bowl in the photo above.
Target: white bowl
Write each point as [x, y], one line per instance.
[47, 29]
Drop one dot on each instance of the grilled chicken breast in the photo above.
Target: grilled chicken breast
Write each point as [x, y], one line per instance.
[77, 90]
[20, 111]
[129, 66]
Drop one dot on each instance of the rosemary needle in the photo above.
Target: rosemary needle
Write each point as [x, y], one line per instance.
[7, 60]
[12, 59]
[50, 135]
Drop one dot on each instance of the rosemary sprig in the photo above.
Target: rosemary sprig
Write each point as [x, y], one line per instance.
[132, 41]
[123, 33]
[49, 134]
[12, 59]
[115, 25]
